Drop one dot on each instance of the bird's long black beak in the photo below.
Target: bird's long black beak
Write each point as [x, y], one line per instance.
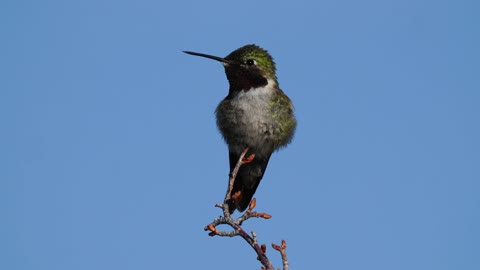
[220, 59]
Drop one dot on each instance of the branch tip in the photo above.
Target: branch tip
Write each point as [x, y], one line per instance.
[210, 227]
[248, 159]
[252, 205]
[262, 215]
[264, 248]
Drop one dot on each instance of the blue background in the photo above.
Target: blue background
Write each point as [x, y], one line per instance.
[110, 157]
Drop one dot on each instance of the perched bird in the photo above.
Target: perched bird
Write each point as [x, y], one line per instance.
[255, 114]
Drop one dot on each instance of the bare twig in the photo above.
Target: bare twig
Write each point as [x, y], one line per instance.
[232, 177]
[236, 224]
[283, 252]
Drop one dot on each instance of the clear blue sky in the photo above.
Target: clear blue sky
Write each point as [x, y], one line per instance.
[110, 157]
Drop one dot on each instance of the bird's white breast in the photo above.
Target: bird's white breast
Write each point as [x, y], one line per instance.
[253, 116]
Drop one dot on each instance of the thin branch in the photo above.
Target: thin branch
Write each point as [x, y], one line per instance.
[236, 224]
[283, 253]
[232, 177]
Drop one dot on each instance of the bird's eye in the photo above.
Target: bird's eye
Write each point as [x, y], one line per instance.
[250, 62]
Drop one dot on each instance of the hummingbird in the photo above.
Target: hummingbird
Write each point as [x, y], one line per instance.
[256, 114]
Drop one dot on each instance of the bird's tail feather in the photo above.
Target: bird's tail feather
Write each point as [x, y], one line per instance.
[246, 182]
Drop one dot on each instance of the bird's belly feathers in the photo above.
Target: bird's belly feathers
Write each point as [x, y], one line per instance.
[255, 119]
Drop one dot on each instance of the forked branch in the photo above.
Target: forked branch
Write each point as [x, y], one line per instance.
[236, 223]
